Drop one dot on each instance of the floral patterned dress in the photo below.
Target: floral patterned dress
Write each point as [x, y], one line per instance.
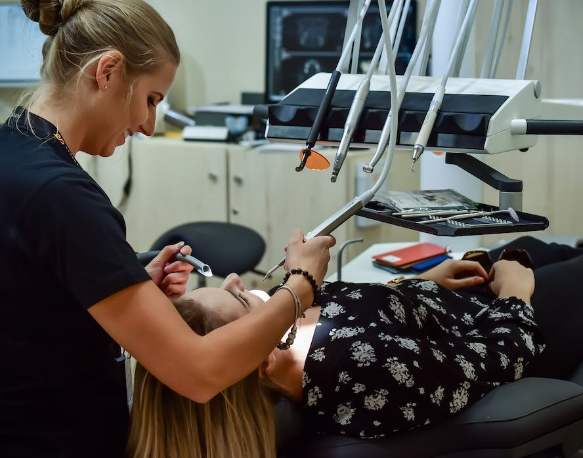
[386, 359]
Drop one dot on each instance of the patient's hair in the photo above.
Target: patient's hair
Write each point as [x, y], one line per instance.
[238, 422]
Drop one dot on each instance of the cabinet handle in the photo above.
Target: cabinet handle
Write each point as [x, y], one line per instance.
[213, 177]
[237, 179]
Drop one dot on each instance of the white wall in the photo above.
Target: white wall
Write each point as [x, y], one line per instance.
[223, 48]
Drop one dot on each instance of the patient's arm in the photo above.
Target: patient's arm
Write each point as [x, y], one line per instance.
[453, 274]
[509, 278]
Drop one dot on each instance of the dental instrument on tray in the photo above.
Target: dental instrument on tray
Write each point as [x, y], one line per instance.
[428, 18]
[202, 268]
[360, 98]
[477, 214]
[420, 214]
[330, 90]
[358, 202]
[456, 54]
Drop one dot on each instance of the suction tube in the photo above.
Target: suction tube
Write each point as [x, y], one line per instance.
[202, 268]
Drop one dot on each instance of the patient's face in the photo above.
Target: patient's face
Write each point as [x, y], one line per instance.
[232, 300]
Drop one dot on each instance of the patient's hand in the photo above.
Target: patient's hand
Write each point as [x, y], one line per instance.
[171, 277]
[453, 274]
[509, 278]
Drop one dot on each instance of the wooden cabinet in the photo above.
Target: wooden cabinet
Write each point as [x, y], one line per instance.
[268, 195]
[173, 182]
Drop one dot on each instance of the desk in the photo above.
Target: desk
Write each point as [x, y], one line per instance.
[361, 269]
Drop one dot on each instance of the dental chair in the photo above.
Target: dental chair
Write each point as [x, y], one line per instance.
[531, 417]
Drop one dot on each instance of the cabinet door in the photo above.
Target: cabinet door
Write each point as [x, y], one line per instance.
[268, 195]
[173, 182]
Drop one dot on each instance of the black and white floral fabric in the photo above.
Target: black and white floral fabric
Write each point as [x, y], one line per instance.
[389, 359]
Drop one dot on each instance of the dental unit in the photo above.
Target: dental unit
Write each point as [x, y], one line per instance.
[358, 202]
[460, 116]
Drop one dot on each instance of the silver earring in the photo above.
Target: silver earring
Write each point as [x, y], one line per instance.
[105, 87]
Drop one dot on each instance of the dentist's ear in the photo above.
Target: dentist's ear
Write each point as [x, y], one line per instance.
[267, 366]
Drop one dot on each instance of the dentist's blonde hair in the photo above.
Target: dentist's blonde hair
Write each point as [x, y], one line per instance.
[79, 32]
[237, 423]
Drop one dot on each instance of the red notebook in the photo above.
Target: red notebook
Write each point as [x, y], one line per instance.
[410, 255]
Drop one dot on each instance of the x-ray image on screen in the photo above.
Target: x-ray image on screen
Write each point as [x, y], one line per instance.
[306, 37]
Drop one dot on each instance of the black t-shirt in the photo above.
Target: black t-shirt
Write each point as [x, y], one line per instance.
[62, 249]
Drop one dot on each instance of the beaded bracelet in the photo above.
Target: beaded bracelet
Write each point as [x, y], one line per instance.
[291, 337]
[308, 277]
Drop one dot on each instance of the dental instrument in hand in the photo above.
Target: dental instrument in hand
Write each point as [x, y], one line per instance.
[342, 215]
[435, 104]
[202, 268]
[477, 214]
[358, 102]
[306, 152]
[428, 19]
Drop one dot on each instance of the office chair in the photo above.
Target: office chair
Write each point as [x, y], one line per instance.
[225, 247]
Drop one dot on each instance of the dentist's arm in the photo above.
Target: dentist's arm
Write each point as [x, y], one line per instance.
[143, 321]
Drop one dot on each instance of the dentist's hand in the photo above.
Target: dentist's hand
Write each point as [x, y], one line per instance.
[312, 255]
[171, 276]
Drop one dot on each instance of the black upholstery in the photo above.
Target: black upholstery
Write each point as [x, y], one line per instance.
[225, 247]
[519, 419]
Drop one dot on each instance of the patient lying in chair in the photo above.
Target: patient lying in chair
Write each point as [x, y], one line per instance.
[371, 360]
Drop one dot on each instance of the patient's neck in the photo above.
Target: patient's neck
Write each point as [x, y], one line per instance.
[289, 365]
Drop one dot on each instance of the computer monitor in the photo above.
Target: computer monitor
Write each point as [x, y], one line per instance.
[21, 44]
[306, 37]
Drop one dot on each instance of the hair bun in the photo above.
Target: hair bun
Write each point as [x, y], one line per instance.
[31, 8]
[50, 14]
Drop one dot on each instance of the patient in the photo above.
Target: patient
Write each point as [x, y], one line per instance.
[370, 361]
